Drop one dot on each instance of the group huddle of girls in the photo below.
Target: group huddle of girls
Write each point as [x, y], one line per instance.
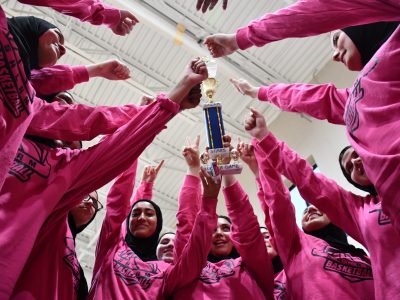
[48, 182]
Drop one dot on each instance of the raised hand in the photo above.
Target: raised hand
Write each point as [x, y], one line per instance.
[245, 88]
[211, 188]
[146, 100]
[150, 172]
[191, 154]
[255, 125]
[125, 24]
[247, 155]
[110, 69]
[205, 4]
[187, 92]
[221, 44]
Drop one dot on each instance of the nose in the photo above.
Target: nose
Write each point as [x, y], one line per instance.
[336, 55]
[62, 49]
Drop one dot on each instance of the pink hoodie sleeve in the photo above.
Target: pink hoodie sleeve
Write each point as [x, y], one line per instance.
[340, 205]
[78, 122]
[194, 256]
[321, 101]
[144, 191]
[91, 168]
[117, 208]
[58, 78]
[312, 17]
[93, 11]
[247, 238]
[281, 209]
[265, 208]
[189, 201]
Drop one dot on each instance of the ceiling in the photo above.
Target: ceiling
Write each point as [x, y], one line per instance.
[156, 52]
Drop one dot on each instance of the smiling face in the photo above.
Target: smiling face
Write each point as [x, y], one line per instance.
[346, 52]
[353, 166]
[165, 248]
[314, 219]
[271, 250]
[50, 48]
[143, 220]
[221, 244]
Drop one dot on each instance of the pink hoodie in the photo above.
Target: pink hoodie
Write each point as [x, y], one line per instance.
[371, 109]
[120, 274]
[53, 257]
[246, 277]
[41, 176]
[19, 103]
[361, 217]
[306, 259]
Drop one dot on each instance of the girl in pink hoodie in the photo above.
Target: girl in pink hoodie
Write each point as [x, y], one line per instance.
[19, 103]
[126, 266]
[361, 217]
[370, 109]
[40, 176]
[226, 275]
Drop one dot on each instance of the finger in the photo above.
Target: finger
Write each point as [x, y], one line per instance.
[199, 4]
[206, 5]
[132, 17]
[227, 138]
[255, 112]
[224, 4]
[213, 2]
[159, 166]
[197, 141]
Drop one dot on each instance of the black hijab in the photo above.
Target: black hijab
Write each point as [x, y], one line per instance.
[337, 238]
[26, 32]
[369, 189]
[145, 248]
[234, 253]
[368, 38]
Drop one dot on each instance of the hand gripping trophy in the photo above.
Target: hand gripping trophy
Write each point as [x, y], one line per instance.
[226, 160]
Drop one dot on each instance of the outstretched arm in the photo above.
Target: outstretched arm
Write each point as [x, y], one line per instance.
[93, 11]
[301, 19]
[145, 189]
[321, 101]
[51, 80]
[189, 199]
[194, 255]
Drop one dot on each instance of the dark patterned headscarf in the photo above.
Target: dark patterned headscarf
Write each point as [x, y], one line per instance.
[26, 32]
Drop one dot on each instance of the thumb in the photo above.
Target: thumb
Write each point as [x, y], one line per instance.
[255, 113]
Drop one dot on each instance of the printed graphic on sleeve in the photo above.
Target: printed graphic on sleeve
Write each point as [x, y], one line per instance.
[71, 260]
[353, 269]
[31, 159]
[132, 270]
[15, 92]
[212, 273]
[382, 218]
[351, 116]
[279, 290]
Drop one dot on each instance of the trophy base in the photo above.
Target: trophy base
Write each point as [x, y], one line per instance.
[231, 169]
[225, 169]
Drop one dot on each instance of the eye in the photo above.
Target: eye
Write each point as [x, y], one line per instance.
[226, 229]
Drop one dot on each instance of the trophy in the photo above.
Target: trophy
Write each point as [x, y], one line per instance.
[227, 161]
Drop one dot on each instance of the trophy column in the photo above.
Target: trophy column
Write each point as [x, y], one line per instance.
[215, 128]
